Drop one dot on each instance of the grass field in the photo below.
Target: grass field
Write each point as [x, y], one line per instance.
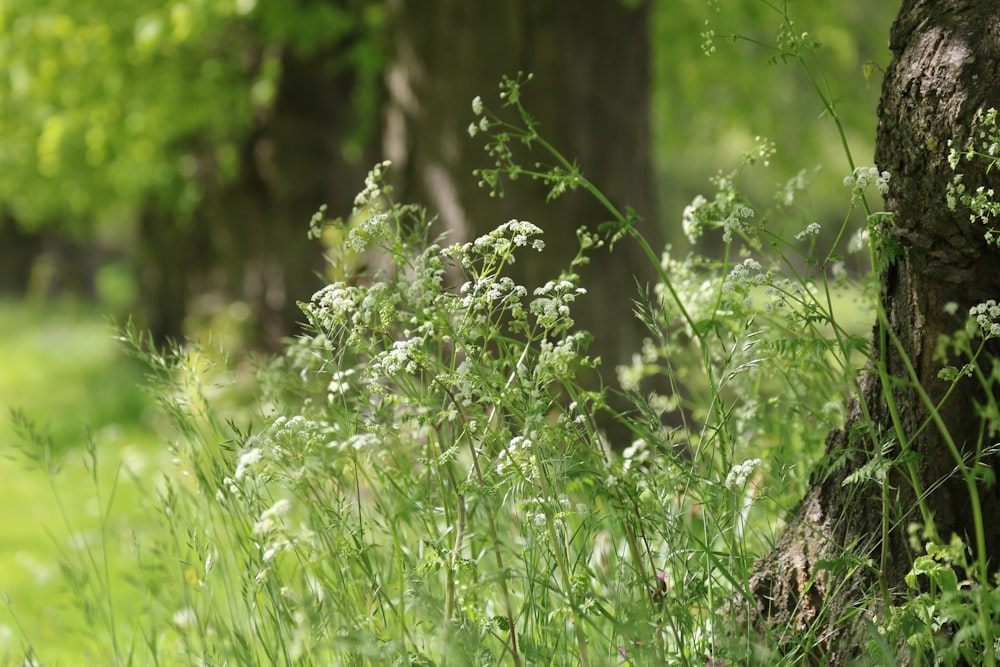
[63, 369]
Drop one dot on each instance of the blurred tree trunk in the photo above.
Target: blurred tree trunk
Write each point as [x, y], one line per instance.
[164, 267]
[946, 55]
[248, 240]
[18, 251]
[297, 164]
[590, 94]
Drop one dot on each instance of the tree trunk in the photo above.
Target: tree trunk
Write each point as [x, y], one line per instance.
[590, 94]
[248, 240]
[163, 267]
[946, 56]
[18, 251]
[298, 164]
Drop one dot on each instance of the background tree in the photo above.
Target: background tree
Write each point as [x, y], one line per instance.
[195, 140]
[590, 95]
[937, 266]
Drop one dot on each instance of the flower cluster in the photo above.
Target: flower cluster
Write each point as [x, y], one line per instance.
[796, 43]
[559, 359]
[517, 455]
[987, 316]
[763, 150]
[864, 177]
[812, 229]
[796, 184]
[484, 123]
[783, 293]
[740, 473]
[339, 384]
[692, 222]
[371, 228]
[746, 275]
[401, 357]
[631, 375]
[333, 306]
[552, 305]
[986, 141]
[490, 292]
[505, 238]
[738, 221]
[981, 202]
[728, 210]
[369, 200]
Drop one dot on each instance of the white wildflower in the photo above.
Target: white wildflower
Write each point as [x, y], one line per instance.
[987, 316]
[247, 461]
[401, 358]
[272, 518]
[864, 177]
[745, 275]
[368, 199]
[740, 473]
[339, 384]
[737, 221]
[811, 230]
[691, 221]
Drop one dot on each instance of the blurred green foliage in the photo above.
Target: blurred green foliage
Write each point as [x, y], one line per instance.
[718, 83]
[107, 105]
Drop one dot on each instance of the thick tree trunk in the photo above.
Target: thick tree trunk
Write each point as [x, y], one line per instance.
[590, 94]
[946, 60]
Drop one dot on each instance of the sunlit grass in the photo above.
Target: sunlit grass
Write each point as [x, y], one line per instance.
[61, 367]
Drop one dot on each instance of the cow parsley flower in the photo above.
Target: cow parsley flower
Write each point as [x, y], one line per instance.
[987, 316]
[402, 357]
[691, 221]
[273, 517]
[369, 198]
[247, 461]
[864, 177]
[740, 473]
[737, 221]
[812, 229]
[743, 276]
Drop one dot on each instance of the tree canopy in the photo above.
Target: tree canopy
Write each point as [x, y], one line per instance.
[106, 106]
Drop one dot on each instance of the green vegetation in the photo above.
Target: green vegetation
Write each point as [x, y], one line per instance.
[63, 369]
[420, 478]
[427, 486]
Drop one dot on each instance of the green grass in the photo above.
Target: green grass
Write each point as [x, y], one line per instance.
[61, 366]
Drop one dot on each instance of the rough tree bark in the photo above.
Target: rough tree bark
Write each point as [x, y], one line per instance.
[590, 94]
[946, 61]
